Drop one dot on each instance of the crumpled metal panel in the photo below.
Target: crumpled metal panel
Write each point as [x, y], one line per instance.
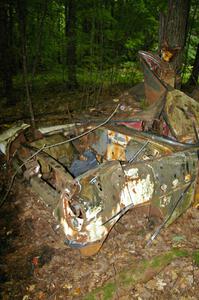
[116, 146]
[180, 112]
[119, 143]
[9, 135]
[182, 115]
[156, 73]
[63, 153]
[170, 176]
[160, 68]
[89, 201]
[87, 210]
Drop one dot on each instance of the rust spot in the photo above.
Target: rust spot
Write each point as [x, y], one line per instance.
[91, 249]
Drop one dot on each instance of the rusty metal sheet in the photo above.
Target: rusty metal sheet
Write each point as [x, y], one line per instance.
[182, 116]
[9, 135]
[156, 73]
[89, 211]
[162, 69]
[180, 111]
[84, 209]
[170, 175]
[151, 178]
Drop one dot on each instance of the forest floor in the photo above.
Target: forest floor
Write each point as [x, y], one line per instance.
[35, 263]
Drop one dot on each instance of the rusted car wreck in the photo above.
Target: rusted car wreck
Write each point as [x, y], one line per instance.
[91, 175]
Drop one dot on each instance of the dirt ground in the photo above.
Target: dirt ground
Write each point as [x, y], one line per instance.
[35, 264]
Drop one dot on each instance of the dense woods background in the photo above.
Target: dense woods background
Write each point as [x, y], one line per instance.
[92, 44]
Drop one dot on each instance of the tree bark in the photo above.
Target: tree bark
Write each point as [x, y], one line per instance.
[173, 33]
[6, 60]
[39, 38]
[193, 79]
[71, 56]
[22, 12]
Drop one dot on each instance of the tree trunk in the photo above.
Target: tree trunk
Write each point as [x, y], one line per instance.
[193, 79]
[6, 61]
[173, 33]
[39, 38]
[71, 23]
[22, 12]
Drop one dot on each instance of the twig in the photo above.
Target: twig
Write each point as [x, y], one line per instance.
[68, 111]
[115, 279]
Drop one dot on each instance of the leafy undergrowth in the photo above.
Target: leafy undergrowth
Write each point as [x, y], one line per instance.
[53, 102]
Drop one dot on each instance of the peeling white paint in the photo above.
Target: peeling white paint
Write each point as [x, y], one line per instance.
[164, 187]
[164, 201]
[92, 212]
[140, 190]
[67, 229]
[96, 230]
[132, 173]
[175, 182]
[125, 196]
[78, 223]
[53, 129]
[67, 191]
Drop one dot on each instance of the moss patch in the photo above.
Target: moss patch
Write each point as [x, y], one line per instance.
[138, 272]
